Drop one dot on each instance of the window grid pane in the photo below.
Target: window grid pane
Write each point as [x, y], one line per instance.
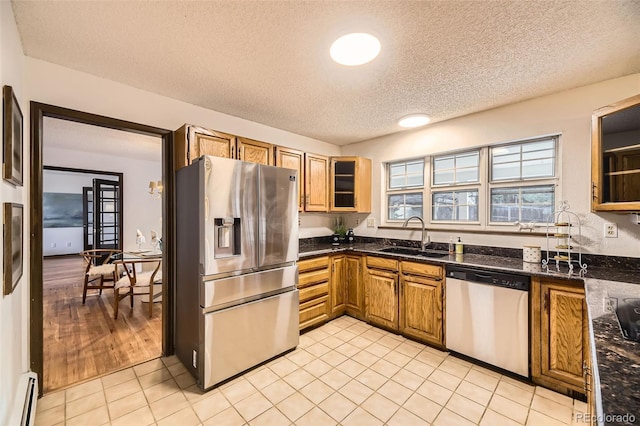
[528, 160]
[406, 174]
[403, 206]
[455, 205]
[456, 168]
[525, 204]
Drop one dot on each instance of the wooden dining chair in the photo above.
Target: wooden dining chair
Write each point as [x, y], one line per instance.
[151, 274]
[100, 272]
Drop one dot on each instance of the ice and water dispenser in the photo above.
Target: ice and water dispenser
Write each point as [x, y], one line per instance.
[228, 234]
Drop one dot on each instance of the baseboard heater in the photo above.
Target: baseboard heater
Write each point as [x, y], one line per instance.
[24, 406]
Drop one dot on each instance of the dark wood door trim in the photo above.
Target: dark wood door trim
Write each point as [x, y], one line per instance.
[38, 112]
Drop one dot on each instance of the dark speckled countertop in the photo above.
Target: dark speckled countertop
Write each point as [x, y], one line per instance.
[617, 359]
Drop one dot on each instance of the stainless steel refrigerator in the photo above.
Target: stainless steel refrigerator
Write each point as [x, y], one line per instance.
[237, 247]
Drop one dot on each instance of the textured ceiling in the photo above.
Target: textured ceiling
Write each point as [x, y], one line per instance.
[268, 62]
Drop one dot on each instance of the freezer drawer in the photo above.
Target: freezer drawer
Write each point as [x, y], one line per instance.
[235, 339]
[225, 292]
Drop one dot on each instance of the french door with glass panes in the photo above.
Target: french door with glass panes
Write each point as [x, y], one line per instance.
[103, 215]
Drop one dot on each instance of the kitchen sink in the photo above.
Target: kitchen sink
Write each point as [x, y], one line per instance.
[413, 252]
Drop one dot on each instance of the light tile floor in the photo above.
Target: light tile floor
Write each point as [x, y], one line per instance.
[345, 372]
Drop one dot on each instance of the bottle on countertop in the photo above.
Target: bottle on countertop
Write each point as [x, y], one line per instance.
[451, 248]
[459, 246]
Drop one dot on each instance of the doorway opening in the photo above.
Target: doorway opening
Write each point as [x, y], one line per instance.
[63, 273]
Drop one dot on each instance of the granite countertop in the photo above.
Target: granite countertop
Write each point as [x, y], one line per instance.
[617, 359]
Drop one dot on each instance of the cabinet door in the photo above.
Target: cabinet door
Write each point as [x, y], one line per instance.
[255, 151]
[191, 142]
[338, 286]
[560, 324]
[381, 298]
[292, 159]
[350, 184]
[212, 145]
[354, 291]
[315, 183]
[421, 309]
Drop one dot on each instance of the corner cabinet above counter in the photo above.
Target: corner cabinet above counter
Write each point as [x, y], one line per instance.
[350, 184]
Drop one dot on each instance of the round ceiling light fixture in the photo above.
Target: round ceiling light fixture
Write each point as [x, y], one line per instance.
[414, 120]
[355, 49]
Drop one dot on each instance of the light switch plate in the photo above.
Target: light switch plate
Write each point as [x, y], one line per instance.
[371, 222]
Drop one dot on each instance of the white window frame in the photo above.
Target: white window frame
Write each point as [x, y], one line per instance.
[412, 189]
[484, 186]
[523, 182]
[457, 187]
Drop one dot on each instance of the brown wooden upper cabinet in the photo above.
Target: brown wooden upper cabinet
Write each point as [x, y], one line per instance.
[255, 151]
[350, 184]
[615, 157]
[192, 142]
[315, 183]
[292, 159]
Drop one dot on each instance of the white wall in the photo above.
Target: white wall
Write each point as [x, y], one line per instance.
[59, 241]
[13, 308]
[56, 85]
[141, 211]
[567, 113]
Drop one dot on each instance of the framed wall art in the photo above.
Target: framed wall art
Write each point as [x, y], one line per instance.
[12, 137]
[13, 253]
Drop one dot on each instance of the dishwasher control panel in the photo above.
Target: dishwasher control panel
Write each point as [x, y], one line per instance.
[500, 279]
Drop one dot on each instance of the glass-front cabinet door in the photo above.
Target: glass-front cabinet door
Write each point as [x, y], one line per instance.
[350, 184]
[615, 157]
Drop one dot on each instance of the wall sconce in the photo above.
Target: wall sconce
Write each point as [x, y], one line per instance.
[155, 188]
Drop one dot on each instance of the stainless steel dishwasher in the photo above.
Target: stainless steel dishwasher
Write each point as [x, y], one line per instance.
[487, 317]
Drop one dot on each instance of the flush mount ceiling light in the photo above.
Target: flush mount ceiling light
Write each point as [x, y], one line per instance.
[414, 120]
[355, 49]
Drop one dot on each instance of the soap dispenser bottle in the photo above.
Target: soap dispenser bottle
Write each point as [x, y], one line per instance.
[459, 247]
[451, 248]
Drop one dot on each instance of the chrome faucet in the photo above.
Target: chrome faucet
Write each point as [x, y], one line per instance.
[423, 244]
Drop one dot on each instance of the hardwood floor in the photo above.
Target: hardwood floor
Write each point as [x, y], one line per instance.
[84, 341]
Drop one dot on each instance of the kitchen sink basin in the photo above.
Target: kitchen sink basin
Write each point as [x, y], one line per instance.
[413, 252]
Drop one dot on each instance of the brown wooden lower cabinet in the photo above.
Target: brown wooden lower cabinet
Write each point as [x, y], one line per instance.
[354, 297]
[421, 303]
[560, 338]
[381, 293]
[313, 284]
[338, 288]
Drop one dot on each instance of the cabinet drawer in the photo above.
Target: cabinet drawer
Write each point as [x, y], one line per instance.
[413, 268]
[382, 263]
[315, 263]
[313, 277]
[314, 312]
[314, 291]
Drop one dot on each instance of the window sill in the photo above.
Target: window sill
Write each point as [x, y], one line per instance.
[470, 231]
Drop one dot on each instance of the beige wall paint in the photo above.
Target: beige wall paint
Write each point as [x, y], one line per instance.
[14, 308]
[56, 85]
[567, 113]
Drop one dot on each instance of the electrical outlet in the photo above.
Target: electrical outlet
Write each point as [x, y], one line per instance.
[610, 304]
[610, 230]
[371, 222]
[53, 245]
[357, 221]
[68, 244]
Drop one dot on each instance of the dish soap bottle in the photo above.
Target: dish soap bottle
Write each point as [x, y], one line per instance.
[459, 247]
[451, 249]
